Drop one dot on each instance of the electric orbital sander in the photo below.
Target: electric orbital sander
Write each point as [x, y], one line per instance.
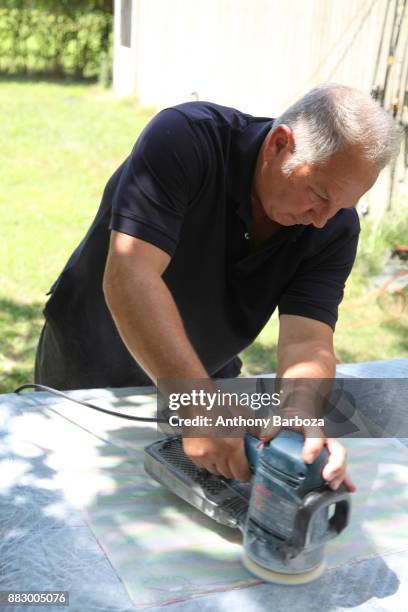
[286, 514]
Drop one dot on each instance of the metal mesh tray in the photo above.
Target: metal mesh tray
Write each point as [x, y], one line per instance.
[225, 501]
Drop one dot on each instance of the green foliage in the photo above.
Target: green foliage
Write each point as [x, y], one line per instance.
[377, 239]
[58, 39]
[67, 7]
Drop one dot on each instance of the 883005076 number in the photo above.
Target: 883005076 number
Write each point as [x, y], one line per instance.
[39, 598]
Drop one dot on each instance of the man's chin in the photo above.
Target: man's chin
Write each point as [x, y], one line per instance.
[303, 222]
[288, 220]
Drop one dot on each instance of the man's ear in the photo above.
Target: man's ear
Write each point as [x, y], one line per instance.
[279, 139]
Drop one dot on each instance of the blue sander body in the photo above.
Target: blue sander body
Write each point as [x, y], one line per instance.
[286, 514]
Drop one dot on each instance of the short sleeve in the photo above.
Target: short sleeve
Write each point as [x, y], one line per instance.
[318, 286]
[158, 182]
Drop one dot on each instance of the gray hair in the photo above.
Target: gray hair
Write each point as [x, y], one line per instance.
[331, 117]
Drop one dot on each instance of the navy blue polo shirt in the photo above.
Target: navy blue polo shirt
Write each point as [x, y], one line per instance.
[185, 188]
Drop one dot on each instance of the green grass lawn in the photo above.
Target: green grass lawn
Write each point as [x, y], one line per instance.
[365, 331]
[60, 144]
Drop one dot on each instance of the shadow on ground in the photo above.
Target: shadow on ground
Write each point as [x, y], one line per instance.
[44, 542]
[34, 79]
[259, 359]
[401, 338]
[20, 326]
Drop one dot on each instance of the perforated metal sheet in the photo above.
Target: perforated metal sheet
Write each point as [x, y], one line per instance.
[224, 501]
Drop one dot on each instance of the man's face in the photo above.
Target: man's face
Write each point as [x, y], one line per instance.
[311, 194]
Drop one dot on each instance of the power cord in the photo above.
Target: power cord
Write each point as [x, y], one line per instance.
[88, 404]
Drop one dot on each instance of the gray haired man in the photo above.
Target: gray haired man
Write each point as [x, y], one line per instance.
[214, 220]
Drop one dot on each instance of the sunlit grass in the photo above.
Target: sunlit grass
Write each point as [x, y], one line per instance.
[60, 144]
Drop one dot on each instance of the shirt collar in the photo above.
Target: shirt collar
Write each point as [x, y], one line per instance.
[245, 147]
[244, 151]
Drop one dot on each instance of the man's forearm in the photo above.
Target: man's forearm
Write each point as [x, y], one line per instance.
[313, 366]
[312, 359]
[150, 325]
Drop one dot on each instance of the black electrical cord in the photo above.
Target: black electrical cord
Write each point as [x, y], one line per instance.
[88, 404]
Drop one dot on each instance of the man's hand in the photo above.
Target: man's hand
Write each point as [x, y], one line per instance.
[335, 469]
[220, 456]
[306, 353]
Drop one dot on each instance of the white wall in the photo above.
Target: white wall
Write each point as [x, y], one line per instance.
[258, 55]
[125, 58]
[255, 55]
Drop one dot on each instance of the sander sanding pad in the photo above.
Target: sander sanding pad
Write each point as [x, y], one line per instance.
[279, 577]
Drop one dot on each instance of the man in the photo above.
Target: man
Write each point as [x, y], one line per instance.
[214, 220]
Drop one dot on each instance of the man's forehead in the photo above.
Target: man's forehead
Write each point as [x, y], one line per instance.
[346, 175]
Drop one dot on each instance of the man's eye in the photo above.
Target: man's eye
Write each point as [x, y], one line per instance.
[320, 196]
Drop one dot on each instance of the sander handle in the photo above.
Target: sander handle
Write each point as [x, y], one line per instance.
[312, 503]
[287, 443]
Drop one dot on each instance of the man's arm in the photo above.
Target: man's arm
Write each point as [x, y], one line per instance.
[305, 348]
[305, 351]
[150, 325]
[144, 311]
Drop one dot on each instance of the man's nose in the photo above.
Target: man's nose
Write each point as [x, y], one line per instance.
[320, 221]
[321, 216]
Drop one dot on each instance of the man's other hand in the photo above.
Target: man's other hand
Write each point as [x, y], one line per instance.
[220, 456]
[334, 472]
